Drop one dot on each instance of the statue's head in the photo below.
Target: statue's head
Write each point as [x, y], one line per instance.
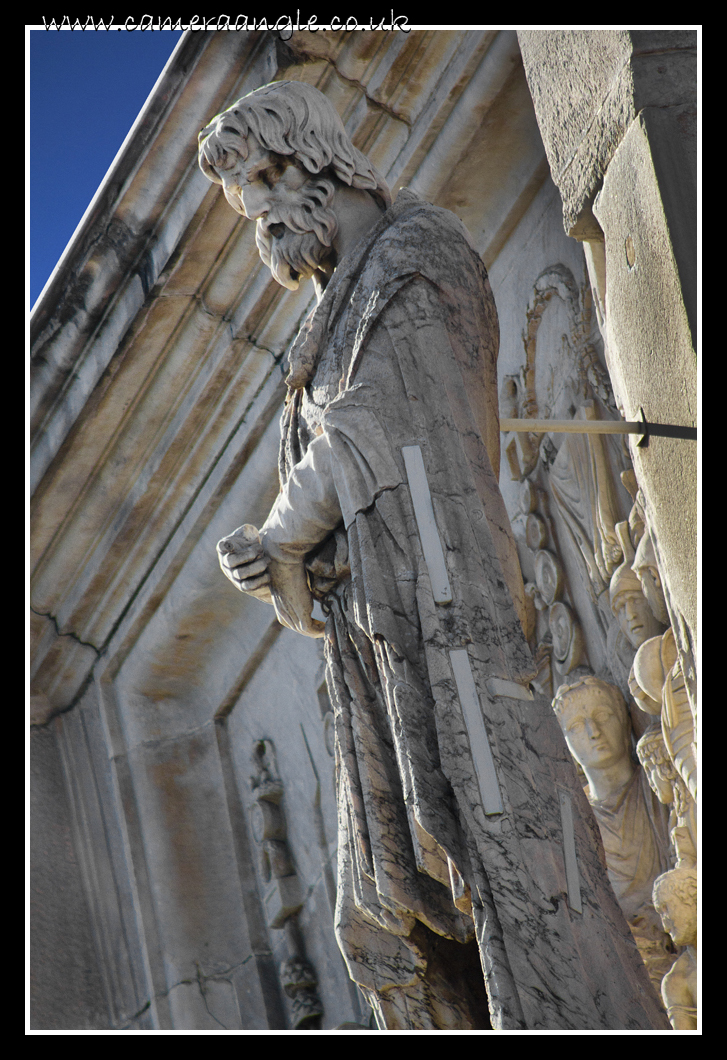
[595, 722]
[628, 602]
[280, 153]
[675, 900]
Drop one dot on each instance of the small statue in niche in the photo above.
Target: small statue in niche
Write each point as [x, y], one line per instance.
[675, 898]
[283, 895]
[633, 824]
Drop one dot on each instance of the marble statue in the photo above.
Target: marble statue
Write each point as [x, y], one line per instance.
[471, 887]
[595, 721]
[675, 896]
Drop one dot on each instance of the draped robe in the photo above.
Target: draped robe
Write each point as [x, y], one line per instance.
[401, 352]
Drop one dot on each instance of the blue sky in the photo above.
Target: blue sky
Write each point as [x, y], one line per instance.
[86, 90]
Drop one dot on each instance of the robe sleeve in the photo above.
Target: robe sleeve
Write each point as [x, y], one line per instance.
[344, 469]
[306, 510]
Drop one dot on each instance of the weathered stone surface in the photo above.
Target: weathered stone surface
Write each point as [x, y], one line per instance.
[66, 983]
[587, 88]
[651, 358]
[158, 431]
[398, 361]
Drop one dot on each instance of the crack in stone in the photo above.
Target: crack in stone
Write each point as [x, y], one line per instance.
[160, 741]
[69, 633]
[299, 54]
[200, 983]
[200, 979]
[277, 357]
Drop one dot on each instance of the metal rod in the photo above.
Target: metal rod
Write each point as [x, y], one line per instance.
[574, 426]
[663, 430]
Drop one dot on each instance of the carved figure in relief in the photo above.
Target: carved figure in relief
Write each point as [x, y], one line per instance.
[671, 790]
[633, 825]
[635, 621]
[628, 603]
[450, 775]
[675, 897]
[283, 895]
[657, 678]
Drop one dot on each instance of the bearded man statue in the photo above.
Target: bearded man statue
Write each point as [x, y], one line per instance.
[458, 803]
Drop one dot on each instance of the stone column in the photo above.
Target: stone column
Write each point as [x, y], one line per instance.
[617, 113]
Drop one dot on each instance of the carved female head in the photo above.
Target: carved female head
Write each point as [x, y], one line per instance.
[595, 722]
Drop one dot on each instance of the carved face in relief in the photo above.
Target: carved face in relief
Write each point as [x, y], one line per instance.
[295, 227]
[646, 570]
[595, 725]
[675, 900]
[635, 617]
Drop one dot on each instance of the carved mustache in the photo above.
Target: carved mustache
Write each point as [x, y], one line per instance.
[302, 253]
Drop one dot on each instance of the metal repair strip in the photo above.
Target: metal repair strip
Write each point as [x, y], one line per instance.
[428, 533]
[479, 742]
[569, 849]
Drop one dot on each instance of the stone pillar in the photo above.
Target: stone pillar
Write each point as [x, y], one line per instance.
[617, 113]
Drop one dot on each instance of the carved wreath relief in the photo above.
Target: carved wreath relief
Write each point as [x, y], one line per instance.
[599, 630]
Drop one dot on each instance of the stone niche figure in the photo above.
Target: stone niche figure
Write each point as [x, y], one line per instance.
[671, 790]
[635, 620]
[452, 898]
[633, 823]
[658, 686]
[675, 897]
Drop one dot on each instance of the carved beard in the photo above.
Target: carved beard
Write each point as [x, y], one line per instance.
[295, 240]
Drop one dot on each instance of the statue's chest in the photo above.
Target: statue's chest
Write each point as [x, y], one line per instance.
[326, 382]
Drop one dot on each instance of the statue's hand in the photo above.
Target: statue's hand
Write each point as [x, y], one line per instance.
[292, 597]
[243, 560]
[284, 584]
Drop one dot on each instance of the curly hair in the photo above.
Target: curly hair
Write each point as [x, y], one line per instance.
[561, 696]
[680, 882]
[289, 118]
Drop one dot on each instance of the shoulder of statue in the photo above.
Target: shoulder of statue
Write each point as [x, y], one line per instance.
[412, 215]
[416, 238]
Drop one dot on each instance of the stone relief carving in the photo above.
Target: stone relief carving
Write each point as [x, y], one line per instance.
[636, 623]
[571, 493]
[596, 723]
[668, 752]
[671, 790]
[675, 896]
[283, 894]
[595, 576]
[390, 515]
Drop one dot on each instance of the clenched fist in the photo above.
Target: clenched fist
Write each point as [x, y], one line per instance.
[244, 562]
[280, 582]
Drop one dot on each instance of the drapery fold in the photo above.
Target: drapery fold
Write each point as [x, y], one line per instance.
[402, 352]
